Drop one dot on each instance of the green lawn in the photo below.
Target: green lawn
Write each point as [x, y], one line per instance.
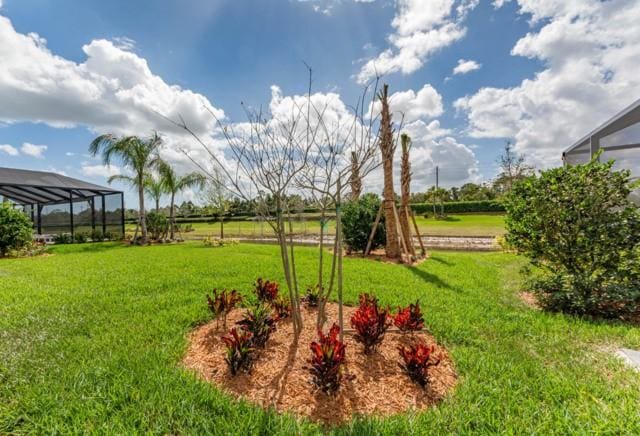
[91, 339]
[454, 225]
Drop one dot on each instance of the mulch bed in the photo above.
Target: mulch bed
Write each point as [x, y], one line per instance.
[372, 385]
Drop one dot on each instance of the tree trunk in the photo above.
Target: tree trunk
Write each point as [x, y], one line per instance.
[356, 181]
[142, 214]
[221, 227]
[172, 216]
[387, 149]
[157, 205]
[405, 182]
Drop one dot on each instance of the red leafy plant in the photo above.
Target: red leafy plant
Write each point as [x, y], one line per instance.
[327, 358]
[239, 350]
[259, 322]
[370, 322]
[312, 296]
[281, 309]
[222, 303]
[409, 319]
[265, 290]
[416, 358]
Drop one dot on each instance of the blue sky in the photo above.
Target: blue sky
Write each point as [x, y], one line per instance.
[527, 66]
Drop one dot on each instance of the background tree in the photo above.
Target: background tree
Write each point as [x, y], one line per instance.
[387, 150]
[578, 226]
[154, 189]
[216, 198]
[173, 184]
[513, 168]
[140, 156]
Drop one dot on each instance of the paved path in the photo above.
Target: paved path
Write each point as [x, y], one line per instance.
[473, 243]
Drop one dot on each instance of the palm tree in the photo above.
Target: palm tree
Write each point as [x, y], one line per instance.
[138, 155]
[173, 184]
[154, 189]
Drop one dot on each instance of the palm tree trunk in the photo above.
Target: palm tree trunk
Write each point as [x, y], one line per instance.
[157, 205]
[392, 248]
[172, 214]
[142, 215]
[221, 227]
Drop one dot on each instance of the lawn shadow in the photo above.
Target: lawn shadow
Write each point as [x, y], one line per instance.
[430, 278]
[92, 247]
[440, 260]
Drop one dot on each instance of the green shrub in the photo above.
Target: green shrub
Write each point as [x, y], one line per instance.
[62, 238]
[357, 220]
[15, 228]
[80, 237]
[97, 235]
[579, 227]
[157, 225]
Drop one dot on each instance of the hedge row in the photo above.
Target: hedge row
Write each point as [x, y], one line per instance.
[460, 207]
[418, 208]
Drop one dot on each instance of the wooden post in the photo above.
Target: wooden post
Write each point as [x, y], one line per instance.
[415, 225]
[373, 230]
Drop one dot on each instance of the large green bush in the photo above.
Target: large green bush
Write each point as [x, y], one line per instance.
[15, 228]
[579, 227]
[357, 220]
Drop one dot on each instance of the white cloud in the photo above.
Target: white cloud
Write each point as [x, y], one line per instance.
[590, 50]
[33, 150]
[100, 170]
[466, 66]
[9, 149]
[426, 103]
[112, 91]
[420, 29]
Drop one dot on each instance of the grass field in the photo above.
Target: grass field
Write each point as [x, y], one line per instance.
[454, 225]
[91, 340]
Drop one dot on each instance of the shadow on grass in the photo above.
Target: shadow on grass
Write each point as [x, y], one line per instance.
[92, 247]
[430, 278]
[440, 260]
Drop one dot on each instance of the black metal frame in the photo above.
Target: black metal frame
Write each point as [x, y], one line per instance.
[39, 196]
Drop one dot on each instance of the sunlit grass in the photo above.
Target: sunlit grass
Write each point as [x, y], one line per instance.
[91, 340]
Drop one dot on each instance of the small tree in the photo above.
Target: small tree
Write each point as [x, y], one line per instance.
[577, 224]
[513, 168]
[154, 189]
[174, 184]
[15, 228]
[216, 197]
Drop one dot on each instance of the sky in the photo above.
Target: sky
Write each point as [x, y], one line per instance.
[466, 76]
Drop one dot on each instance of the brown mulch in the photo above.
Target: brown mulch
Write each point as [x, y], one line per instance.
[372, 385]
[529, 299]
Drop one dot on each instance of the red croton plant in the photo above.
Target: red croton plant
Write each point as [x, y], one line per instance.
[370, 322]
[222, 303]
[239, 350]
[416, 359]
[409, 319]
[265, 290]
[326, 362]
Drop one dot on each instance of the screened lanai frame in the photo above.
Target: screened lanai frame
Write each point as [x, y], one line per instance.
[59, 204]
[618, 139]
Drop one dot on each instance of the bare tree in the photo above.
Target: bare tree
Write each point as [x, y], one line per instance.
[513, 168]
[216, 197]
